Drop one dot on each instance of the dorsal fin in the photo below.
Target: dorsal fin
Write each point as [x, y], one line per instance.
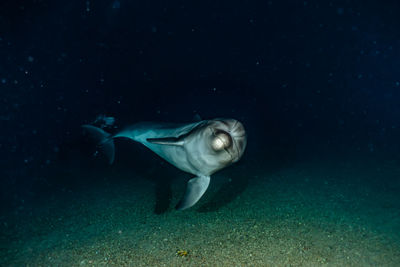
[196, 117]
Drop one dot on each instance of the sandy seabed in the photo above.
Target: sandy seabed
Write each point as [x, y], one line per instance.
[333, 213]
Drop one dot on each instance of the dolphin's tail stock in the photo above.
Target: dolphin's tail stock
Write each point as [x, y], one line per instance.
[104, 141]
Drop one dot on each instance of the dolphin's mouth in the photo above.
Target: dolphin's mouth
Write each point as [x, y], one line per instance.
[230, 154]
[237, 128]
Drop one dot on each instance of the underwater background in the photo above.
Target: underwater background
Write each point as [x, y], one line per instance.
[315, 83]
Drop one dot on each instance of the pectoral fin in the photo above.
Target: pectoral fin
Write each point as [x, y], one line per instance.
[194, 190]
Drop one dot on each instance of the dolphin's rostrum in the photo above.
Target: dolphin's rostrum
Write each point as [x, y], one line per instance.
[199, 148]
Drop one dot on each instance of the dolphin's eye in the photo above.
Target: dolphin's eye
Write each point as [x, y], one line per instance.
[221, 141]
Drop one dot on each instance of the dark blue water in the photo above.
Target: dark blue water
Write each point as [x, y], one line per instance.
[310, 80]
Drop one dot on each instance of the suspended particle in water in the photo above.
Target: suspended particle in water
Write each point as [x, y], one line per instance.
[30, 59]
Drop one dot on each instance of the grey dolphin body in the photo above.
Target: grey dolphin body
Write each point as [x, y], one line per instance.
[199, 148]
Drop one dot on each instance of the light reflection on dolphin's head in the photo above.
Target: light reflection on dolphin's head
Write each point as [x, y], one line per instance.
[221, 140]
[217, 143]
[228, 136]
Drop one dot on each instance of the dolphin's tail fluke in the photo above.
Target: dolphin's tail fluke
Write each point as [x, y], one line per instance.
[103, 140]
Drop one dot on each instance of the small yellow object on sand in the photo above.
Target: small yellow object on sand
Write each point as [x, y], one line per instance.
[182, 253]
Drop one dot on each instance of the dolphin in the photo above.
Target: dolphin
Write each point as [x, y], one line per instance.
[200, 148]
